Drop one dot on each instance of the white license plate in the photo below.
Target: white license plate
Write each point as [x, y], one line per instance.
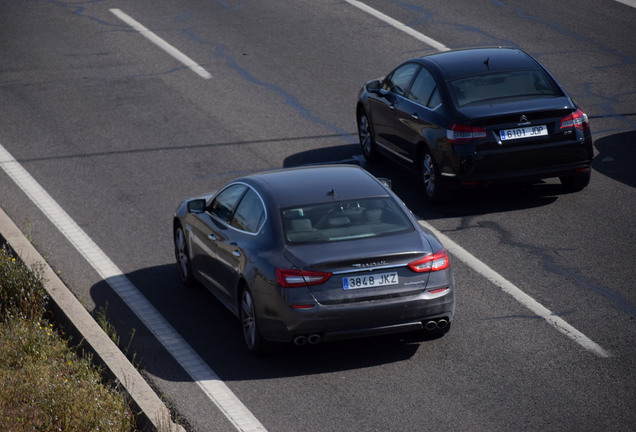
[524, 132]
[370, 280]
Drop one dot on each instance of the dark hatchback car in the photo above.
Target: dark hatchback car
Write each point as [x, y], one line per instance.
[476, 116]
[315, 254]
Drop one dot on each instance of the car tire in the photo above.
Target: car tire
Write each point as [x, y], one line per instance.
[365, 135]
[576, 182]
[435, 191]
[254, 342]
[182, 256]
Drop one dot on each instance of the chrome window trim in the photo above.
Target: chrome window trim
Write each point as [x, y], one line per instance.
[370, 269]
[393, 152]
[229, 225]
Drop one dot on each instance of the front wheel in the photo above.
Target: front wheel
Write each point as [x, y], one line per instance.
[183, 257]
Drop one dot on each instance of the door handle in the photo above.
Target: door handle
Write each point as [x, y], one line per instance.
[415, 116]
[212, 237]
[235, 252]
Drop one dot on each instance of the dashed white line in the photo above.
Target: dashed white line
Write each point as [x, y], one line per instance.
[398, 25]
[215, 389]
[631, 3]
[191, 64]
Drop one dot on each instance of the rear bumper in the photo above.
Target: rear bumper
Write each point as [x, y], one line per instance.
[533, 174]
[527, 163]
[355, 320]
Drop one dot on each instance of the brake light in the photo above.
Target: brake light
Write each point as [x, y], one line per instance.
[577, 119]
[460, 134]
[430, 263]
[289, 278]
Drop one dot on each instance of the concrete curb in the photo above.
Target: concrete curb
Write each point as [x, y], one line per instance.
[78, 322]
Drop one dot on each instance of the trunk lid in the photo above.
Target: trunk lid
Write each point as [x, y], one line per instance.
[365, 269]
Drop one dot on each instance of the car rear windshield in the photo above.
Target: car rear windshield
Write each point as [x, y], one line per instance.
[503, 85]
[344, 220]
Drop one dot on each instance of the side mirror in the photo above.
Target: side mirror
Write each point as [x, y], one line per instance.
[196, 206]
[374, 86]
[386, 182]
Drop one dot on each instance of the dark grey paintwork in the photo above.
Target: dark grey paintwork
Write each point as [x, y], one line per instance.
[229, 261]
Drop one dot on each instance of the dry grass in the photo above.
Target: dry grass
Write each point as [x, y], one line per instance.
[44, 384]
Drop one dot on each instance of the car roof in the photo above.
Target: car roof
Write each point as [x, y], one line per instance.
[475, 61]
[314, 184]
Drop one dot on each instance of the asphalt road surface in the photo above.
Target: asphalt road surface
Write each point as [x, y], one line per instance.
[119, 110]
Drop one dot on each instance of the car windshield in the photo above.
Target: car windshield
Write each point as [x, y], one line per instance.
[503, 85]
[344, 220]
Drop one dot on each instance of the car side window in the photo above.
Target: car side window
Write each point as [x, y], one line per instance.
[435, 99]
[225, 202]
[398, 82]
[250, 214]
[423, 88]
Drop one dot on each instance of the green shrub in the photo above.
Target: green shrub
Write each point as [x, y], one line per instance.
[21, 291]
[44, 384]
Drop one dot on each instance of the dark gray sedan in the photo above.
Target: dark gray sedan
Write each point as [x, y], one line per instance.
[315, 254]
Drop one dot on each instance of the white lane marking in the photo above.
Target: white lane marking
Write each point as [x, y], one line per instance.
[215, 389]
[631, 3]
[162, 44]
[523, 298]
[398, 25]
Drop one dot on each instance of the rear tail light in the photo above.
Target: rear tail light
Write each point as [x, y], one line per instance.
[289, 278]
[431, 262]
[460, 134]
[577, 119]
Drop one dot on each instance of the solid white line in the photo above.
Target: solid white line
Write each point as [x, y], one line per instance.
[215, 389]
[161, 43]
[398, 25]
[523, 298]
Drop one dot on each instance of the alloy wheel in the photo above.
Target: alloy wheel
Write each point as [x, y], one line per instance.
[181, 252]
[365, 135]
[428, 175]
[248, 320]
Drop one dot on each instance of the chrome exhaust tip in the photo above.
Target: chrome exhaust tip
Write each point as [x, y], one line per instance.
[314, 339]
[430, 325]
[442, 324]
[300, 340]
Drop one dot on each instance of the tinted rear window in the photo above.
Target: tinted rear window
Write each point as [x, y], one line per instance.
[344, 220]
[503, 85]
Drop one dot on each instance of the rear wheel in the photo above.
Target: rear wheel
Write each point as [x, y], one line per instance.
[183, 257]
[255, 343]
[434, 190]
[365, 134]
[576, 182]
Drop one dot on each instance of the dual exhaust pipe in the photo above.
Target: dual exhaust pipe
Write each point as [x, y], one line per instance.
[439, 324]
[311, 339]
